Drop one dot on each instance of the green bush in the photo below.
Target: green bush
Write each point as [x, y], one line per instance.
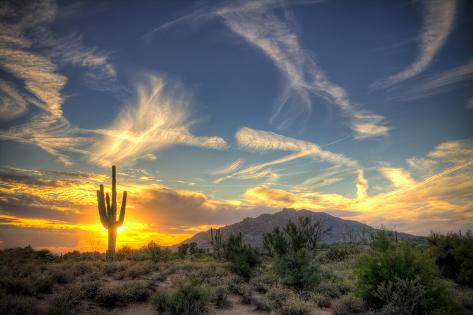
[390, 265]
[453, 254]
[188, 298]
[243, 258]
[299, 270]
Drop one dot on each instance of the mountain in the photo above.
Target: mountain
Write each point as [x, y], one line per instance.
[253, 229]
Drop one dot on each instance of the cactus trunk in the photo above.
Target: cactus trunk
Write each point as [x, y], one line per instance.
[108, 214]
[112, 241]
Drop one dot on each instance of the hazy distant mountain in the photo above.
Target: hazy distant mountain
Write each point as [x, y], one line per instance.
[253, 229]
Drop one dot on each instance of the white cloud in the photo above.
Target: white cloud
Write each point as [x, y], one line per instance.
[456, 151]
[12, 104]
[437, 25]
[399, 177]
[229, 168]
[361, 185]
[160, 118]
[259, 140]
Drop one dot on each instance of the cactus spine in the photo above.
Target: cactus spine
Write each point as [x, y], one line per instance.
[108, 214]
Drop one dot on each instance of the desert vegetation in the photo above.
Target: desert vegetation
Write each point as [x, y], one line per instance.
[295, 273]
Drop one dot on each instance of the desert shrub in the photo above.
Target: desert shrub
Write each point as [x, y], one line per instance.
[391, 264]
[322, 300]
[36, 283]
[43, 284]
[188, 297]
[67, 299]
[116, 267]
[22, 255]
[122, 294]
[453, 253]
[86, 256]
[277, 297]
[18, 305]
[139, 269]
[295, 306]
[243, 258]
[60, 275]
[220, 298]
[89, 289]
[353, 303]
[339, 308]
[262, 283]
[182, 249]
[329, 289]
[299, 270]
[400, 296]
[339, 252]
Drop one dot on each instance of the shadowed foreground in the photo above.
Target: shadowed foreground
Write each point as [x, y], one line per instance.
[155, 280]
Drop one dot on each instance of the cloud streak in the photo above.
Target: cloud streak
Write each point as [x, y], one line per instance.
[265, 141]
[160, 118]
[437, 25]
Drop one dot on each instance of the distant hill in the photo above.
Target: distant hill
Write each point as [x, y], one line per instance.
[253, 229]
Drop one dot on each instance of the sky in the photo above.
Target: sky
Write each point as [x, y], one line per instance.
[214, 111]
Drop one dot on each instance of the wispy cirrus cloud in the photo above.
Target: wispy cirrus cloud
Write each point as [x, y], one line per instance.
[265, 141]
[159, 118]
[235, 165]
[276, 37]
[29, 53]
[274, 33]
[440, 83]
[437, 24]
[260, 140]
[12, 103]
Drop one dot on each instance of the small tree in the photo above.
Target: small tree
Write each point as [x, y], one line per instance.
[306, 234]
[243, 257]
[293, 249]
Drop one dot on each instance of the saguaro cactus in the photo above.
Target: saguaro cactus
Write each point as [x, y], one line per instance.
[108, 213]
[216, 240]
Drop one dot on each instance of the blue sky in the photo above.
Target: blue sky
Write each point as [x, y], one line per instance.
[236, 108]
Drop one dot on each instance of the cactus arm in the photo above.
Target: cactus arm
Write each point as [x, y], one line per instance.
[109, 210]
[122, 211]
[101, 206]
[114, 193]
